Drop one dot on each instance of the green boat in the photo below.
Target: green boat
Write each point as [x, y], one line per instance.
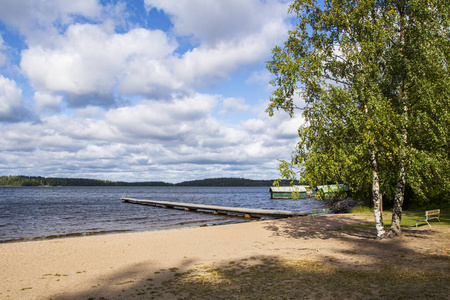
[288, 192]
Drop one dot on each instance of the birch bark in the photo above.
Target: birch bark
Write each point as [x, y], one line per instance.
[377, 197]
[395, 229]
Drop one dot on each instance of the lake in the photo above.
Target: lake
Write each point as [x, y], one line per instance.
[30, 213]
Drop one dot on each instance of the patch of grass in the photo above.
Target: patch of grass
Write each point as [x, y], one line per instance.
[362, 210]
[444, 216]
[408, 217]
[55, 275]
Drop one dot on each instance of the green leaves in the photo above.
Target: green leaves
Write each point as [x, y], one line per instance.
[374, 75]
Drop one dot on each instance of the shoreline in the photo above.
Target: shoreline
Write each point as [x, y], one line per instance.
[125, 231]
[135, 265]
[74, 211]
[61, 268]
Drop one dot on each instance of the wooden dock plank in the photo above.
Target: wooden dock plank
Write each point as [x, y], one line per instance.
[236, 211]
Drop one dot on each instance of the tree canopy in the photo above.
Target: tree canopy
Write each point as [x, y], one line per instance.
[55, 181]
[374, 89]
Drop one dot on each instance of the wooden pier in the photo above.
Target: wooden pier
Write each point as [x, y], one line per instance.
[234, 211]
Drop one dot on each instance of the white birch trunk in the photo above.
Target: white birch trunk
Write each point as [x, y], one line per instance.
[395, 229]
[377, 197]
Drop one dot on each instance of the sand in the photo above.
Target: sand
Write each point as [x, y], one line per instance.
[113, 266]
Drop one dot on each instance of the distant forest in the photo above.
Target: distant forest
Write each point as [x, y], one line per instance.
[50, 181]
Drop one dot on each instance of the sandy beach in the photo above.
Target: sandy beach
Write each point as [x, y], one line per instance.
[146, 265]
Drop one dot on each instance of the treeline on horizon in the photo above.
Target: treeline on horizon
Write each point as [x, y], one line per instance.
[56, 181]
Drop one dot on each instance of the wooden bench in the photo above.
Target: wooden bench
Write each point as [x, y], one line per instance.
[430, 214]
[318, 212]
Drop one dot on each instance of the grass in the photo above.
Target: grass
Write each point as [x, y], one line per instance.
[362, 210]
[409, 218]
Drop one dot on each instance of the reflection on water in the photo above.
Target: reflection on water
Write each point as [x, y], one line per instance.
[28, 213]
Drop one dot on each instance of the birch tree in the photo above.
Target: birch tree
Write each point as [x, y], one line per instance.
[375, 81]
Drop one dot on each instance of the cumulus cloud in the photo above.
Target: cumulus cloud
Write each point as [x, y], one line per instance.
[46, 100]
[123, 102]
[215, 21]
[94, 60]
[169, 120]
[12, 106]
[234, 105]
[85, 130]
[232, 33]
[36, 19]
[91, 60]
[177, 140]
[211, 64]
[255, 125]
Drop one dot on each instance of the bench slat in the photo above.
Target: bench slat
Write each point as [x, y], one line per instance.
[432, 212]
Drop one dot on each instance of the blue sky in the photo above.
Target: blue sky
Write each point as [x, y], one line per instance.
[142, 90]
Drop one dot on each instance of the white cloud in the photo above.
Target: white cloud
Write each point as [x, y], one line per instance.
[46, 100]
[169, 121]
[95, 152]
[35, 18]
[177, 139]
[215, 21]
[12, 106]
[255, 125]
[124, 103]
[82, 129]
[175, 144]
[260, 77]
[153, 77]
[88, 112]
[234, 105]
[90, 60]
[210, 63]
[233, 34]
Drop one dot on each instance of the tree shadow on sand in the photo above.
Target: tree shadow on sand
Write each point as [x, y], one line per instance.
[392, 269]
[321, 227]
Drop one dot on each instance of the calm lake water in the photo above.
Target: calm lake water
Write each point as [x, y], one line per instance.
[28, 213]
